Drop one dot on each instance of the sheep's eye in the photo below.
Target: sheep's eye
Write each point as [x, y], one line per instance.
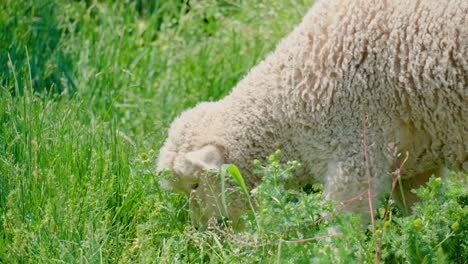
[194, 186]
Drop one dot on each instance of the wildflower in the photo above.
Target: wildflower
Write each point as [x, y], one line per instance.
[378, 231]
[294, 164]
[145, 161]
[271, 157]
[278, 151]
[455, 226]
[387, 224]
[318, 195]
[151, 151]
[143, 155]
[418, 223]
[275, 164]
[256, 163]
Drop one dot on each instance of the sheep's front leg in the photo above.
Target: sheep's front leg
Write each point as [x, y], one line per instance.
[347, 182]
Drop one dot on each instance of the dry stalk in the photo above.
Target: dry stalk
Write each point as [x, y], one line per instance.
[396, 174]
[241, 239]
[369, 188]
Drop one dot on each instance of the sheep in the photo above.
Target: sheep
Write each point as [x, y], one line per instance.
[397, 69]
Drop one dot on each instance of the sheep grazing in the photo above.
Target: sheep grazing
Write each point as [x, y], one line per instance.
[398, 68]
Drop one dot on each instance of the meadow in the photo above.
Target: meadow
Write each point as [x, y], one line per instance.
[87, 92]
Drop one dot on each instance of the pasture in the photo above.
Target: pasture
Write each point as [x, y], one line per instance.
[87, 92]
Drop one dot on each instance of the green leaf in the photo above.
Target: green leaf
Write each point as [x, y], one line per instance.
[235, 173]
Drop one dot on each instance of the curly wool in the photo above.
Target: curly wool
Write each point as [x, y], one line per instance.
[397, 67]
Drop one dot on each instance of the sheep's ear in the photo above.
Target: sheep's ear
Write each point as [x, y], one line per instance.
[209, 157]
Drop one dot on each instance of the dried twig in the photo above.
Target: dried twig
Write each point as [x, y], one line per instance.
[241, 239]
[396, 174]
[369, 189]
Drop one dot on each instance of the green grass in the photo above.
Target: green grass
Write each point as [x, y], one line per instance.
[87, 91]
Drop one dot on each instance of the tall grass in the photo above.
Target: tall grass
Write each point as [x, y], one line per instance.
[86, 86]
[87, 91]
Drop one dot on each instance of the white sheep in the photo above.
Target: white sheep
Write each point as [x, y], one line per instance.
[401, 63]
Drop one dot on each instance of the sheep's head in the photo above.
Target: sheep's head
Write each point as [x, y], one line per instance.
[194, 161]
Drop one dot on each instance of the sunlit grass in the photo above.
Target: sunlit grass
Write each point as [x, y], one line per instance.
[90, 85]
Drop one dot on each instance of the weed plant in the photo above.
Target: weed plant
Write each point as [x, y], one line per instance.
[87, 91]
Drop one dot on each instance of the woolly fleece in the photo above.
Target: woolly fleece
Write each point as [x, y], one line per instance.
[398, 68]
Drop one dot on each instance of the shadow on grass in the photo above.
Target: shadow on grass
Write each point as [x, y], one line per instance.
[30, 45]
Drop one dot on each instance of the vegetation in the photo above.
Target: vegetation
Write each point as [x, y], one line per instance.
[87, 91]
